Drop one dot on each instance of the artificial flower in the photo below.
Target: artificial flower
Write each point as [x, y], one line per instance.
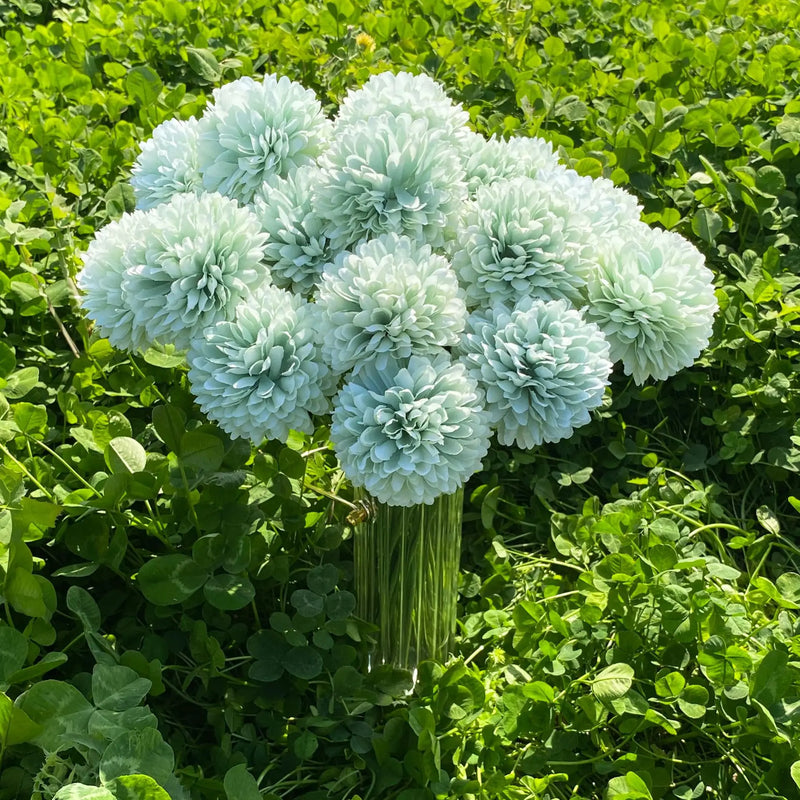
[260, 374]
[256, 129]
[653, 298]
[167, 164]
[390, 175]
[542, 366]
[410, 431]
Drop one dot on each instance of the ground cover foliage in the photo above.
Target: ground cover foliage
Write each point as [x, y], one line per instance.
[178, 619]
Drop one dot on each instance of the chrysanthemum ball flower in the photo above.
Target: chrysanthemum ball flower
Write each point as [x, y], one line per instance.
[199, 255]
[114, 248]
[297, 248]
[411, 431]
[391, 298]
[542, 366]
[653, 298]
[490, 160]
[167, 164]
[603, 207]
[260, 374]
[255, 129]
[516, 239]
[403, 93]
[390, 175]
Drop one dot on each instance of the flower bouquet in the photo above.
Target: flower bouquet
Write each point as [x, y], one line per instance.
[427, 287]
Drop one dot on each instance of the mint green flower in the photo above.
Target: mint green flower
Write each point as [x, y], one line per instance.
[260, 374]
[256, 129]
[410, 431]
[490, 160]
[297, 248]
[167, 164]
[653, 298]
[403, 93]
[518, 239]
[542, 366]
[391, 298]
[198, 256]
[115, 248]
[390, 175]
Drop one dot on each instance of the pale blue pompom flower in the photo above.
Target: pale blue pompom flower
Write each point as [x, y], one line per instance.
[260, 374]
[115, 247]
[391, 298]
[403, 93]
[490, 160]
[167, 164]
[653, 297]
[199, 255]
[390, 175]
[256, 129]
[517, 239]
[297, 248]
[603, 207]
[411, 431]
[542, 366]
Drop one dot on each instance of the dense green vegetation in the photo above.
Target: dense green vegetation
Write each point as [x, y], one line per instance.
[629, 599]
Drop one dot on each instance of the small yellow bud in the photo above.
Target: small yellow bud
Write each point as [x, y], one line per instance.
[365, 41]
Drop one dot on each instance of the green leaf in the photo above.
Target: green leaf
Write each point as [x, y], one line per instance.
[239, 784]
[13, 652]
[117, 688]
[303, 662]
[305, 745]
[80, 791]
[201, 451]
[693, 700]
[108, 427]
[125, 455]
[340, 605]
[135, 752]
[229, 592]
[143, 85]
[137, 787]
[84, 607]
[16, 727]
[24, 592]
[323, 578]
[167, 580]
[204, 63]
[170, 425]
[707, 224]
[19, 383]
[61, 710]
[794, 770]
[120, 199]
[613, 681]
[7, 360]
[307, 603]
[31, 419]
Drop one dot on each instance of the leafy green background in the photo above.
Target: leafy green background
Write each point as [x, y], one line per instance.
[178, 610]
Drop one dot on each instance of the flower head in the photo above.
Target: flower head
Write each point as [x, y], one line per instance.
[297, 248]
[391, 298]
[260, 374]
[110, 253]
[403, 93]
[653, 298]
[390, 175]
[517, 239]
[490, 160]
[603, 207]
[410, 431]
[542, 367]
[255, 129]
[199, 255]
[167, 164]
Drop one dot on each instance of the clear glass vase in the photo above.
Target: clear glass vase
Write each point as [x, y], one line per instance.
[406, 577]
